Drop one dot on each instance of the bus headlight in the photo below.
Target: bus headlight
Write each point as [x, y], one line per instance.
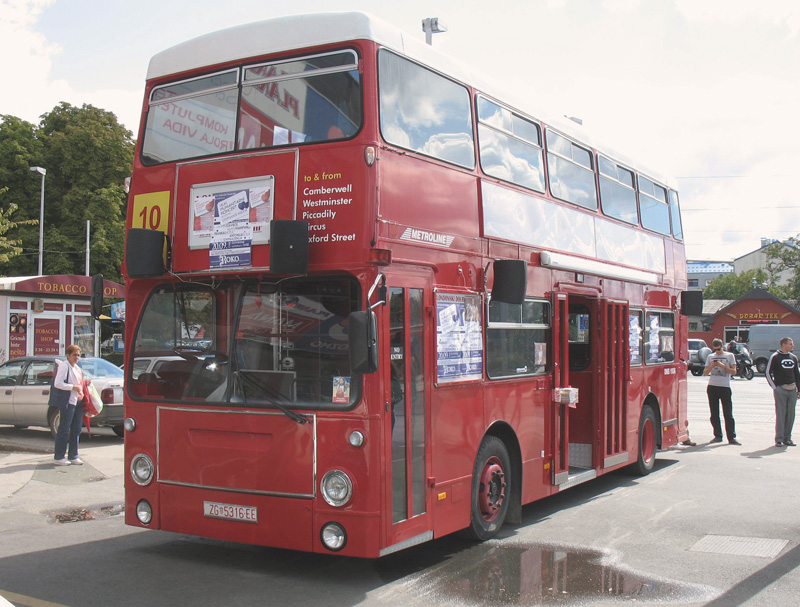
[144, 512]
[336, 488]
[142, 469]
[333, 536]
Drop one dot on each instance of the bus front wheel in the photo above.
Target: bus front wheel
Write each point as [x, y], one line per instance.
[491, 488]
[646, 458]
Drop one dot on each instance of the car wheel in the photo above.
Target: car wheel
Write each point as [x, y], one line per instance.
[697, 372]
[491, 489]
[761, 365]
[53, 419]
[119, 430]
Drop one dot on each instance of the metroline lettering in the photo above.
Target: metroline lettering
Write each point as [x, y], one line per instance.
[429, 237]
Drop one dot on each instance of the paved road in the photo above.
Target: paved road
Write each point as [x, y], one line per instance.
[713, 525]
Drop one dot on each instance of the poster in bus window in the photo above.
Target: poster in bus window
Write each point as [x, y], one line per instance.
[459, 340]
[212, 207]
[341, 389]
[634, 339]
[654, 342]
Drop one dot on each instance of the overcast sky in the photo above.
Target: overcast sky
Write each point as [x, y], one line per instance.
[707, 91]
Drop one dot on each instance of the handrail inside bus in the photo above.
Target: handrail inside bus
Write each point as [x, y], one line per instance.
[380, 278]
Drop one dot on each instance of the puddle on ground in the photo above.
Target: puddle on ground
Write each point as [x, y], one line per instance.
[503, 573]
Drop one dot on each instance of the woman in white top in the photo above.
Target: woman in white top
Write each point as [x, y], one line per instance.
[69, 377]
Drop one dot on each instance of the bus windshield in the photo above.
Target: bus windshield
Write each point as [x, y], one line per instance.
[289, 345]
[288, 102]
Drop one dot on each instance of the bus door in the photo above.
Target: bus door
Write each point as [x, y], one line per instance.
[406, 409]
[575, 415]
[559, 421]
[614, 380]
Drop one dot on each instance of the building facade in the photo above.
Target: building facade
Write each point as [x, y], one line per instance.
[44, 314]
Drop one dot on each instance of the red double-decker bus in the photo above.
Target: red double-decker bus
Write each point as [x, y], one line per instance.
[371, 303]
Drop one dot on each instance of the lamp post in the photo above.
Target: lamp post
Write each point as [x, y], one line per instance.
[41, 172]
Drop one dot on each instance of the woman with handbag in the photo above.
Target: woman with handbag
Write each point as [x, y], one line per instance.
[68, 389]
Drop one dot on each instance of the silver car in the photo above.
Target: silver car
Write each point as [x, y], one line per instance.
[25, 390]
[696, 362]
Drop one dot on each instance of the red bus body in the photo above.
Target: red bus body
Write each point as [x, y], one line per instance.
[431, 231]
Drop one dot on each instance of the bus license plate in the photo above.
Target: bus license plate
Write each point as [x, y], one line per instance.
[231, 512]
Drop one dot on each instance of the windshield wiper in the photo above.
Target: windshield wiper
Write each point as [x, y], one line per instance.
[300, 419]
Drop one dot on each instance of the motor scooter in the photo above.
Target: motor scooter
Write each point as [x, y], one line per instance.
[744, 362]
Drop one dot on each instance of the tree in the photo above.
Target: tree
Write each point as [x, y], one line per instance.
[10, 247]
[88, 155]
[19, 150]
[785, 257]
[734, 286]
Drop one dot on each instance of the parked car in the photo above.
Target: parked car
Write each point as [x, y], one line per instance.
[25, 390]
[696, 364]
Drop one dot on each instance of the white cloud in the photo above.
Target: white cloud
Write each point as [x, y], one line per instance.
[26, 71]
[781, 13]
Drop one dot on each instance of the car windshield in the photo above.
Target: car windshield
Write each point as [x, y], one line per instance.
[98, 368]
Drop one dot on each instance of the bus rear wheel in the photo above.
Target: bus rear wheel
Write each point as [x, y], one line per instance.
[646, 459]
[491, 478]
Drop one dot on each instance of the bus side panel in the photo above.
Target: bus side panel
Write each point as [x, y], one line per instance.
[414, 193]
[524, 405]
[454, 444]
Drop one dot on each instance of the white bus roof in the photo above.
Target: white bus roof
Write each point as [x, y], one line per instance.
[303, 31]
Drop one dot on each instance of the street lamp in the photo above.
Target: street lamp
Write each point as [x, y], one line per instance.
[41, 172]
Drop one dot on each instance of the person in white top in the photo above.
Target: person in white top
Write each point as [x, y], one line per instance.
[69, 377]
[719, 368]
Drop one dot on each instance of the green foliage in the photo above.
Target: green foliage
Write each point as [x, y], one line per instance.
[785, 257]
[10, 247]
[734, 286]
[88, 155]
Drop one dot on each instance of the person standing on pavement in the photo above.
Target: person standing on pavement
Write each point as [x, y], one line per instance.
[784, 378]
[720, 366]
[69, 378]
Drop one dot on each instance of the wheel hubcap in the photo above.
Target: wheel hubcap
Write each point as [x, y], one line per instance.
[648, 441]
[492, 489]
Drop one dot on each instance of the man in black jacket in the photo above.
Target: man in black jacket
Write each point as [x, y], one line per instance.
[784, 379]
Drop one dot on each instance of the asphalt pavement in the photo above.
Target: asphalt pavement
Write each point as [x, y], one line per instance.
[716, 521]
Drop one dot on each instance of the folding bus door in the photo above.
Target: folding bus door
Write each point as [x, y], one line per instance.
[614, 380]
[559, 420]
[407, 411]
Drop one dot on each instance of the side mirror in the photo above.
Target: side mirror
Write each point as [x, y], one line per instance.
[363, 338]
[144, 253]
[692, 303]
[97, 295]
[510, 280]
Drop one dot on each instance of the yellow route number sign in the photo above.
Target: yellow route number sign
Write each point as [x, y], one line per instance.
[151, 211]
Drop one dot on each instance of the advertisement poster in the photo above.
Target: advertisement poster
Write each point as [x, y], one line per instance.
[231, 239]
[634, 339]
[17, 335]
[46, 336]
[459, 340]
[654, 343]
[83, 333]
[242, 201]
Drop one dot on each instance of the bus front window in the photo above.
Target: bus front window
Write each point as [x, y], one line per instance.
[178, 351]
[291, 343]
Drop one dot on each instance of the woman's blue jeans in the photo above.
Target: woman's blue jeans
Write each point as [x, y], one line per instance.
[69, 431]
